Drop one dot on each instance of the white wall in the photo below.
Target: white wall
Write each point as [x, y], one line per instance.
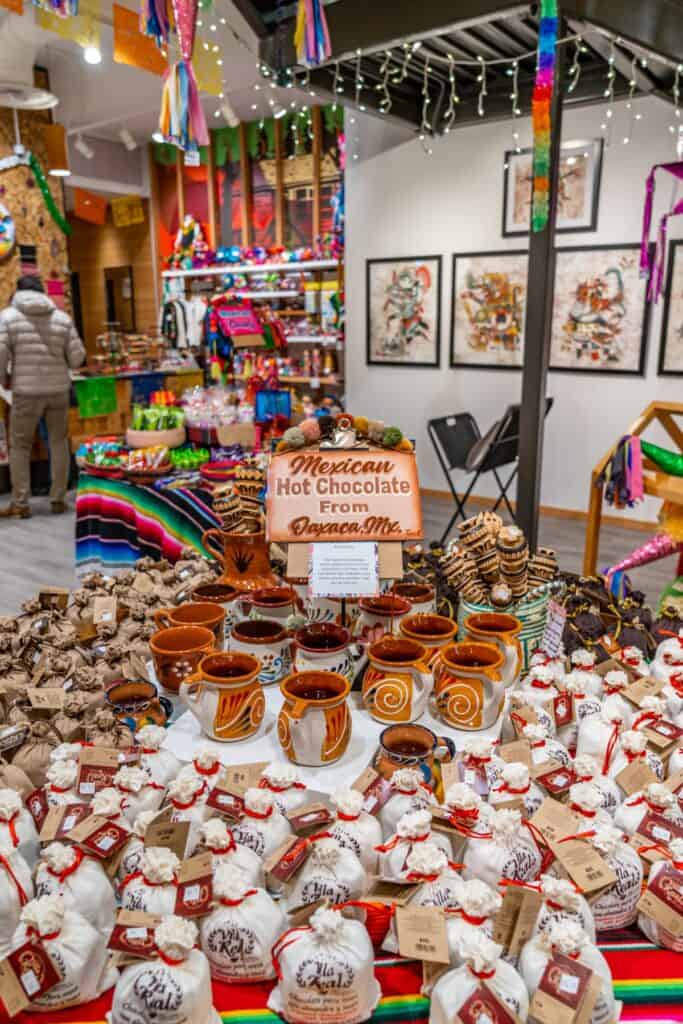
[404, 203]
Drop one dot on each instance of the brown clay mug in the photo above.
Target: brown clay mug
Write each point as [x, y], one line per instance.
[431, 630]
[380, 615]
[397, 682]
[323, 645]
[421, 595]
[468, 685]
[193, 613]
[177, 652]
[413, 746]
[220, 594]
[225, 696]
[501, 630]
[137, 703]
[277, 603]
[267, 640]
[314, 724]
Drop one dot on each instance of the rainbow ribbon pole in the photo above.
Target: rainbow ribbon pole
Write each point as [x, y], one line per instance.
[540, 113]
[311, 36]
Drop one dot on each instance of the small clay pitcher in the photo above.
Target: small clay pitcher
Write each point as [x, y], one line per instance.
[422, 596]
[194, 613]
[468, 685]
[503, 631]
[323, 645]
[137, 703]
[178, 651]
[431, 630]
[384, 612]
[267, 640]
[413, 746]
[225, 696]
[397, 682]
[220, 594]
[314, 724]
[276, 603]
[246, 563]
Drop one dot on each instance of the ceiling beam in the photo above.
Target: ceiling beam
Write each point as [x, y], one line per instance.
[252, 17]
[355, 24]
[655, 24]
[600, 44]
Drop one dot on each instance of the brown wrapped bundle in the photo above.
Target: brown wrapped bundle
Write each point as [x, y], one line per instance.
[87, 682]
[33, 756]
[105, 730]
[14, 677]
[14, 777]
[70, 718]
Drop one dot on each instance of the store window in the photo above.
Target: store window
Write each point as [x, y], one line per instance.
[226, 147]
[261, 147]
[298, 180]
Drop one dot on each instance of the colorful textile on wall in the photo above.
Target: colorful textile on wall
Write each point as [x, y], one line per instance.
[182, 120]
[126, 211]
[540, 113]
[652, 263]
[16, 6]
[311, 35]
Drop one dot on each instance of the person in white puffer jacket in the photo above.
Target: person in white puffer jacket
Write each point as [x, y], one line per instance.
[38, 346]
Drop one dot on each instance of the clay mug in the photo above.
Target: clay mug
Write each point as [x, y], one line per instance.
[431, 630]
[397, 682]
[413, 746]
[225, 696]
[385, 612]
[178, 651]
[324, 645]
[137, 703]
[329, 609]
[468, 685]
[314, 724]
[501, 630]
[219, 594]
[245, 558]
[194, 613]
[276, 603]
[267, 640]
[422, 596]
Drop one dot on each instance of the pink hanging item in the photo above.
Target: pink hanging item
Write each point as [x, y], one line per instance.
[652, 264]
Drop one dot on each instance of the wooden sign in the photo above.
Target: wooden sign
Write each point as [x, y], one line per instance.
[337, 495]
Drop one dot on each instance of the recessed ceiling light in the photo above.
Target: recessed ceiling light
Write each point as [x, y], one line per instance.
[92, 55]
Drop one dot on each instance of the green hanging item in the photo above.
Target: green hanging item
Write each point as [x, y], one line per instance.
[53, 210]
[165, 153]
[670, 462]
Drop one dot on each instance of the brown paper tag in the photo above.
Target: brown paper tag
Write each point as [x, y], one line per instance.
[431, 972]
[375, 788]
[513, 804]
[170, 834]
[300, 916]
[663, 899]
[516, 918]
[656, 828]
[674, 782]
[133, 934]
[450, 774]
[61, 820]
[643, 687]
[555, 821]
[227, 801]
[195, 886]
[663, 737]
[635, 776]
[13, 996]
[564, 994]
[86, 632]
[422, 933]
[313, 816]
[104, 610]
[240, 777]
[384, 891]
[484, 1005]
[288, 859]
[34, 969]
[97, 768]
[54, 597]
[99, 837]
[584, 865]
[517, 752]
[544, 768]
[50, 698]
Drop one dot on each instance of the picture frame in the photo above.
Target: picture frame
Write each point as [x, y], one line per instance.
[670, 362]
[600, 314]
[396, 286]
[580, 180]
[488, 309]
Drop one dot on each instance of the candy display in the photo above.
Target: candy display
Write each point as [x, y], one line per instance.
[157, 417]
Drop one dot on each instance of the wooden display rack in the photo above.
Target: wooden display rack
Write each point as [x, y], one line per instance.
[655, 481]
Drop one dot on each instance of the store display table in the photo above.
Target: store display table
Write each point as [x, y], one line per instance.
[647, 980]
[118, 522]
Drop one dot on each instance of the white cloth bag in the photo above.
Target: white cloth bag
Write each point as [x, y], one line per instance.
[16, 889]
[655, 799]
[480, 961]
[654, 931]
[262, 828]
[510, 852]
[161, 764]
[18, 832]
[139, 790]
[325, 972]
[282, 780]
[409, 792]
[331, 872]
[218, 839]
[515, 783]
[411, 830]
[587, 770]
[62, 778]
[440, 885]
[153, 887]
[82, 883]
[355, 829]
[561, 903]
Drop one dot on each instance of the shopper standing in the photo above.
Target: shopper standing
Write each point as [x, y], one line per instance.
[38, 346]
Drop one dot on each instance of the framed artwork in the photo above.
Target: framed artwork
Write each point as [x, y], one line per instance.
[579, 188]
[488, 307]
[671, 343]
[404, 311]
[599, 310]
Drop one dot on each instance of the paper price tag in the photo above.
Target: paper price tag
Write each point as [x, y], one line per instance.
[644, 687]
[345, 569]
[554, 629]
[238, 778]
[584, 865]
[170, 834]
[517, 752]
[635, 777]
[375, 788]
[555, 821]
[422, 933]
[312, 816]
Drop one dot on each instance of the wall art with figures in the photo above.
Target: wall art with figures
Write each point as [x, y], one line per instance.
[404, 311]
[488, 309]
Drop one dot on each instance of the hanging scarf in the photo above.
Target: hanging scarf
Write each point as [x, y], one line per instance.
[311, 35]
[182, 120]
[654, 270]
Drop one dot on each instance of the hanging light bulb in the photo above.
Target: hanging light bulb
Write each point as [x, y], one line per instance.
[92, 55]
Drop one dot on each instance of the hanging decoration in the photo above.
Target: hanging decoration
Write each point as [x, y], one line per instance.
[653, 258]
[52, 208]
[62, 8]
[540, 113]
[670, 462]
[660, 546]
[182, 120]
[311, 36]
[8, 235]
[156, 20]
[131, 46]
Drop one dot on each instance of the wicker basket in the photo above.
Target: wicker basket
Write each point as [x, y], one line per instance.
[532, 614]
[152, 438]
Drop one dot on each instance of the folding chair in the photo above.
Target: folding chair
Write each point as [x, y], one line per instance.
[459, 444]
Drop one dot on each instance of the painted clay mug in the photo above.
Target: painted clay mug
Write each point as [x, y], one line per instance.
[314, 724]
[178, 651]
[397, 682]
[276, 603]
[225, 696]
[329, 609]
[468, 685]
[245, 558]
[137, 703]
[219, 594]
[421, 595]
[380, 613]
[501, 630]
[324, 645]
[266, 640]
[193, 613]
[431, 630]
[413, 746]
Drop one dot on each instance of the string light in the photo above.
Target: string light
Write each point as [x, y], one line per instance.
[514, 96]
[629, 104]
[606, 126]
[575, 69]
[386, 101]
[337, 84]
[426, 100]
[453, 97]
[677, 127]
[481, 77]
[359, 81]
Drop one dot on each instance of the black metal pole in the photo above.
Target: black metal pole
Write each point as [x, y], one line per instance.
[537, 334]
